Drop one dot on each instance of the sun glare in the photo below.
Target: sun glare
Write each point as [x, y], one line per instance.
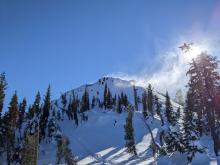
[193, 52]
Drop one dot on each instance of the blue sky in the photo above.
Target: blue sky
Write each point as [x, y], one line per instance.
[69, 43]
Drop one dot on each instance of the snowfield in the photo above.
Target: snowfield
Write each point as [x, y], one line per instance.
[100, 140]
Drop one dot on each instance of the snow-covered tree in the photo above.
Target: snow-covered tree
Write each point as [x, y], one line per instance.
[135, 98]
[45, 114]
[64, 154]
[170, 114]
[118, 105]
[3, 85]
[204, 89]
[150, 99]
[64, 104]
[13, 111]
[144, 103]
[129, 133]
[85, 106]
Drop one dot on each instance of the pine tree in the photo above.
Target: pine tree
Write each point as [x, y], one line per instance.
[124, 99]
[64, 103]
[109, 101]
[85, 106]
[75, 109]
[10, 144]
[35, 109]
[178, 113]
[135, 98]
[36, 105]
[52, 127]
[114, 101]
[30, 150]
[171, 118]
[64, 154]
[118, 106]
[3, 85]
[69, 111]
[150, 99]
[144, 103]
[13, 111]
[93, 102]
[204, 87]
[22, 108]
[45, 115]
[105, 103]
[8, 130]
[190, 135]
[158, 107]
[129, 133]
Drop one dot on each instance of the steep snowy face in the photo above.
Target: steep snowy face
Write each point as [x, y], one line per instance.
[100, 138]
[116, 87]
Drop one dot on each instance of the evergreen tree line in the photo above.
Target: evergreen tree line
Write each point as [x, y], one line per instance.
[200, 113]
[174, 137]
[23, 128]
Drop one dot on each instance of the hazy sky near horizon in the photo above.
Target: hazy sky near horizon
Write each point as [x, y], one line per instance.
[71, 42]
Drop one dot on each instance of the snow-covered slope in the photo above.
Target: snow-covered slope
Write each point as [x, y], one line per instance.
[100, 140]
[116, 86]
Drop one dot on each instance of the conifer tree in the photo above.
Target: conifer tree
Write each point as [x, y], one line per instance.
[3, 85]
[8, 137]
[114, 101]
[69, 111]
[105, 103]
[64, 154]
[30, 150]
[85, 106]
[22, 108]
[93, 102]
[171, 118]
[36, 105]
[64, 103]
[129, 133]
[45, 114]
[190, 134]
[178, 113]
[52, 127]
[35, 109]
[75, 109]
[150, 99]
[144, 103]
[204, 87]
[135, 98]
[124, 99]
[13, 111]
[109, 101]
[118, 106]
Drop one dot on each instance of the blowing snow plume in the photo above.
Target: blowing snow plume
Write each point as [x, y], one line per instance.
[174, 63]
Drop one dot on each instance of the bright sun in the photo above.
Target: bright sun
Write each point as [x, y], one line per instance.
[193, 52]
